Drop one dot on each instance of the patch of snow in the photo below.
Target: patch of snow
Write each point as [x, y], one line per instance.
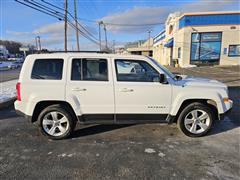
[49, 153]
[97, 154]
[62, 155]
[7, 90]
[171, 146]
[161, 154]
[149, 150]
[189, 66]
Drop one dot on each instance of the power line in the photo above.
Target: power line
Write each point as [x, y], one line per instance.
[152, 24]
[39, 10]
[57, 15]
[85, 29]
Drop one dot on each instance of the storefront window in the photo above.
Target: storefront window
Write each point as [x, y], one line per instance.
[179, 52]
[234, 50]
[206, 46]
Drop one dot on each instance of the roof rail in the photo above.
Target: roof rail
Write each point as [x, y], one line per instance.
[100, 52]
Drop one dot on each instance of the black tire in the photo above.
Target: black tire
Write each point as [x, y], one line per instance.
[187, 110]
[62, 110]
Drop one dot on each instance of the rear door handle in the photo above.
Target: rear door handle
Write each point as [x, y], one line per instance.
[126, 90]
[79, 89]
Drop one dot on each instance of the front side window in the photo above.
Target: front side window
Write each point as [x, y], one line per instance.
[234, 50]
[133, 70]
[50, 69]
[89, 70]
[206, 46]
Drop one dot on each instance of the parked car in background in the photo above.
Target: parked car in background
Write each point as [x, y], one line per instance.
[58, 90]
[17, 64]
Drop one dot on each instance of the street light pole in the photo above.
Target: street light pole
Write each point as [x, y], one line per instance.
[149, 36]
[65, 25]
[76, 24]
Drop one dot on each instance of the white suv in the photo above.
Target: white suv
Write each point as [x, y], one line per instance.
[57, 90]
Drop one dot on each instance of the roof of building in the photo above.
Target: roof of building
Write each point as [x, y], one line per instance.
[209, 13]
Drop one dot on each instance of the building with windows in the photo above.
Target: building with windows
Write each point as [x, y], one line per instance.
[142, 48]
[210, 38]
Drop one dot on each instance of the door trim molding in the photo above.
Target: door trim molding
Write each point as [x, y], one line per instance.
[122, 118]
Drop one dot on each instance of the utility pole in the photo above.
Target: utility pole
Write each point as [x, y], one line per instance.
[76, 24]
[149, 36]
[65, 25]
[104, 25]
[99, 33]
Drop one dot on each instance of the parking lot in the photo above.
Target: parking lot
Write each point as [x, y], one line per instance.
[148, 151]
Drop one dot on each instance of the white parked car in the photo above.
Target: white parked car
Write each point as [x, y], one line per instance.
[57, 90]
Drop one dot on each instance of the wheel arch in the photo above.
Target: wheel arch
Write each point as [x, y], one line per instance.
[43, 104]
[209, 102]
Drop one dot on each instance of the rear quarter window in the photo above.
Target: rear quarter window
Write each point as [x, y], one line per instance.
[49, 69]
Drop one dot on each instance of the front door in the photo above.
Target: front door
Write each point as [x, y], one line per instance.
[139, 96]
[90, 87]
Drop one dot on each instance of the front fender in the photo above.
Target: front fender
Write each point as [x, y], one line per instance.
[181, 97]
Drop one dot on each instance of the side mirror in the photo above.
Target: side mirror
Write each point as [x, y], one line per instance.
[162, 79]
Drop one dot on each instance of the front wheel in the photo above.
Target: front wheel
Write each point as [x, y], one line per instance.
[195, 120]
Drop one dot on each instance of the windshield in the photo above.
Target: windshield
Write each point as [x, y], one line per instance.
[164, 69]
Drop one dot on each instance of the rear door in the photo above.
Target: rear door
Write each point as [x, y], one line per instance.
[90, 89]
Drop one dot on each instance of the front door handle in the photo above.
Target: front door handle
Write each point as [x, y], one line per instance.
[126, 90]
[79, 89]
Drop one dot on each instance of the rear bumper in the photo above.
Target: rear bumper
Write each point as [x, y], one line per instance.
[20, 109]
[20, 113]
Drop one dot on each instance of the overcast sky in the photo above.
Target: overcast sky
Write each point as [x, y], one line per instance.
[23, 24]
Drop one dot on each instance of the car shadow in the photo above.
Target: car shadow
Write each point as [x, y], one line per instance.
[8, 113]
[223, 126]
[96, 129]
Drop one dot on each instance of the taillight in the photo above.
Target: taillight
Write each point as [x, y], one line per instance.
[18, 91]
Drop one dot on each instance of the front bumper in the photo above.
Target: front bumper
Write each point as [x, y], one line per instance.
[229, 106]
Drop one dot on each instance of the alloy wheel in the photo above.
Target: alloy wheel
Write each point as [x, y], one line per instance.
[197, 121]
[55, 123]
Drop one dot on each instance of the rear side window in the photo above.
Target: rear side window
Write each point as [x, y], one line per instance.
[89, 70]
[50, 69]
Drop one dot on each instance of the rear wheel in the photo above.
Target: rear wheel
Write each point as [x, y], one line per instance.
[55, 122]
[195, 120]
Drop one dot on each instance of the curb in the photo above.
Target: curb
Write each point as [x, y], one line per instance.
[7, 103]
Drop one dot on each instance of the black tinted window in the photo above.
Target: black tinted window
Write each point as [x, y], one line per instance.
[47, 69]
[131, 70]
[76, 70]
[89, 69]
